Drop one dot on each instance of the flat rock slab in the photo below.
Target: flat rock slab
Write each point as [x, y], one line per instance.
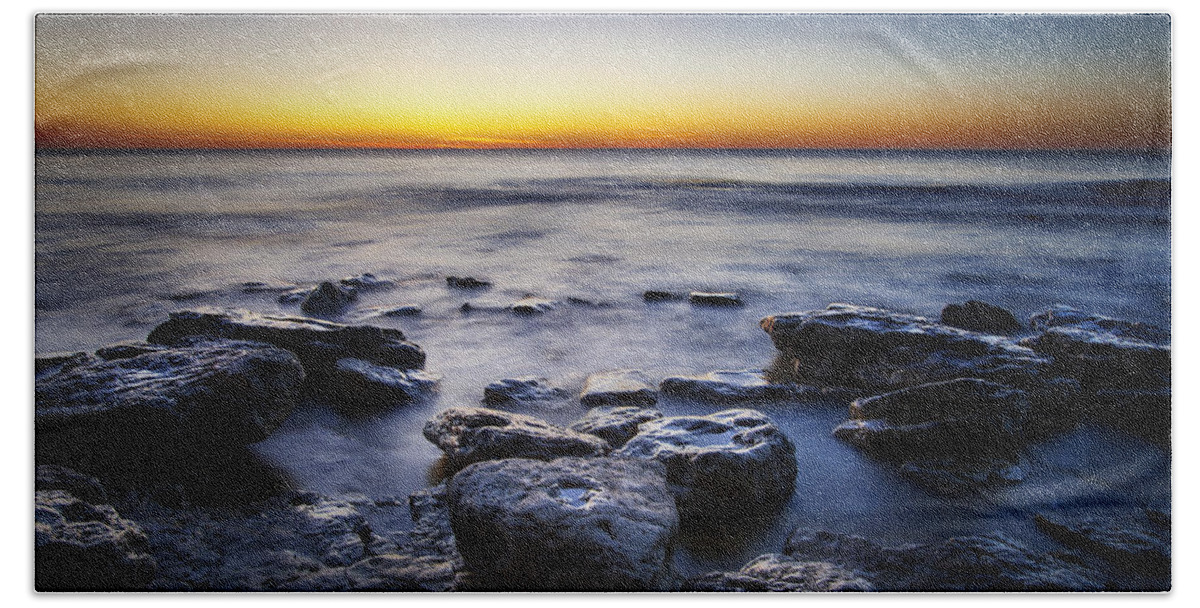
[221, 393]
[616, 425]
[622, 387]
[879, 350]
[779, 573]
[319, 344]
[467, 283]
[362, 386]
[721, 466]
[982, 317]
[735, 386]
[79, 546]
[523, 390]
[969, 563]
[473, 434]
[571, 524]
[707, 298]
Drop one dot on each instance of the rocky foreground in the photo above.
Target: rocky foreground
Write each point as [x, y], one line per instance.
[144, 480]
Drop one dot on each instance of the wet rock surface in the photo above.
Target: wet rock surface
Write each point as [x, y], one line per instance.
[361, 386]
[1128, 540]
[735, 386]
[566, 525]
[366, 282]
[779, 573]
[319, 344]
[616, 425]
[879, 350]
[727, 465]
[470, 435]
[329, 299]
[532, 305]
[467, 282]
[623, 387]
[523, 390]
[982, 317]
[707, 298]
[80, 546]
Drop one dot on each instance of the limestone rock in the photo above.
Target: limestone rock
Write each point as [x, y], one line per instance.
[623, 387]
[616, 425]
[79, 546]
[779, 573]
[469, 435]
[363, 386]
[733, 387]
[522, 390]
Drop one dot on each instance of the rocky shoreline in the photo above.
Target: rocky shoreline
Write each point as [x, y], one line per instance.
[144, 479]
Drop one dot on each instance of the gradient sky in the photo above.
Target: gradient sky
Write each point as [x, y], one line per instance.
[640, 80]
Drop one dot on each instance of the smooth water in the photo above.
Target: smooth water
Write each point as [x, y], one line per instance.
[124, 238]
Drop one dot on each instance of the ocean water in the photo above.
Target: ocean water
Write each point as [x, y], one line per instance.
[123, 238]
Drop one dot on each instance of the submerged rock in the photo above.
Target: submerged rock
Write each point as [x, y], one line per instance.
[523, 390]
[1066, 316]
[622, 387]
[970, 563]
[125, 350]
[981, 317]
[328, 299]
[1128, 540]
[363, 386]
[403, 310]
[473, 434]
[705, 298]
[724, 466]
[467, 282]
[222, 393]
[366, 282]
[879, 350]
[654, 295]
[532, 305]
[319, 344]
[571, 524]
[616, 425]
[779, 573]
[79, 546]
[266, 287]
[734, 386]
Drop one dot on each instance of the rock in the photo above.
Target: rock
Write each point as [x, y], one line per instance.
[660, 296]
[1065, 316]
[328, 299]
[363, 386]
[403, 310]
[704, 298]
[319, 344]
[523, 390]
[724, 466]
[366, 282]
[53, 363]
[1128, 540]
[467, 282]
[485, 305]
[779, 573]
[294, 296]
[981, 317]
[1104, 360]
[531, 305]
[616, 425]
[125, 350]
[878, 350]
[79, 546]
[471, 434]
[1145, 414]
[223, 393]
[970, 563]
[955, 477]
[623, 387]
[571, 524]
[729, 387]
[266, 287]
[83, 487]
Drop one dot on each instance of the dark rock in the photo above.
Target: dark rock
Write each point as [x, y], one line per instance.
[779, 573]
[485, 305]
[661, 296]
[222, 394]
[404, 310]
[469, 435]
[730, 387]
[79, 546]
[366, 282]
[954, 477]
[319, 344]
[1066, 316]
[294, 296]
[616, 425]
[723, 466]
[623, 387]
[524, 390]
[568, 525]
[467, 282]
[1145, 414]
[1103, 359]
[703, 298]
[54, 477]
[1128, 540]
[971, 563]
[363, 386]
[53, 363]
[125, 350]
[981, 317]
[266, 287]
[879, 350]
[531, 305]
[328, 299]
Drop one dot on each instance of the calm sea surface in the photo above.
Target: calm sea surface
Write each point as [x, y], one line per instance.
[124, 238]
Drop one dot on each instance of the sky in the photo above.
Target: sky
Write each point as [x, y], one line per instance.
[1013, 81]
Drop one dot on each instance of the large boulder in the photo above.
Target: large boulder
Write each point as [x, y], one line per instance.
[79, 546]
[473, 434]
[571, 524]
[616, 425]
[779, 573]
[362, 387]
[218, 394]
[970, 563]
[622, 387]
[319, 344]
[879, 350]
[724, 466]
[735, 386]
[981, 317]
